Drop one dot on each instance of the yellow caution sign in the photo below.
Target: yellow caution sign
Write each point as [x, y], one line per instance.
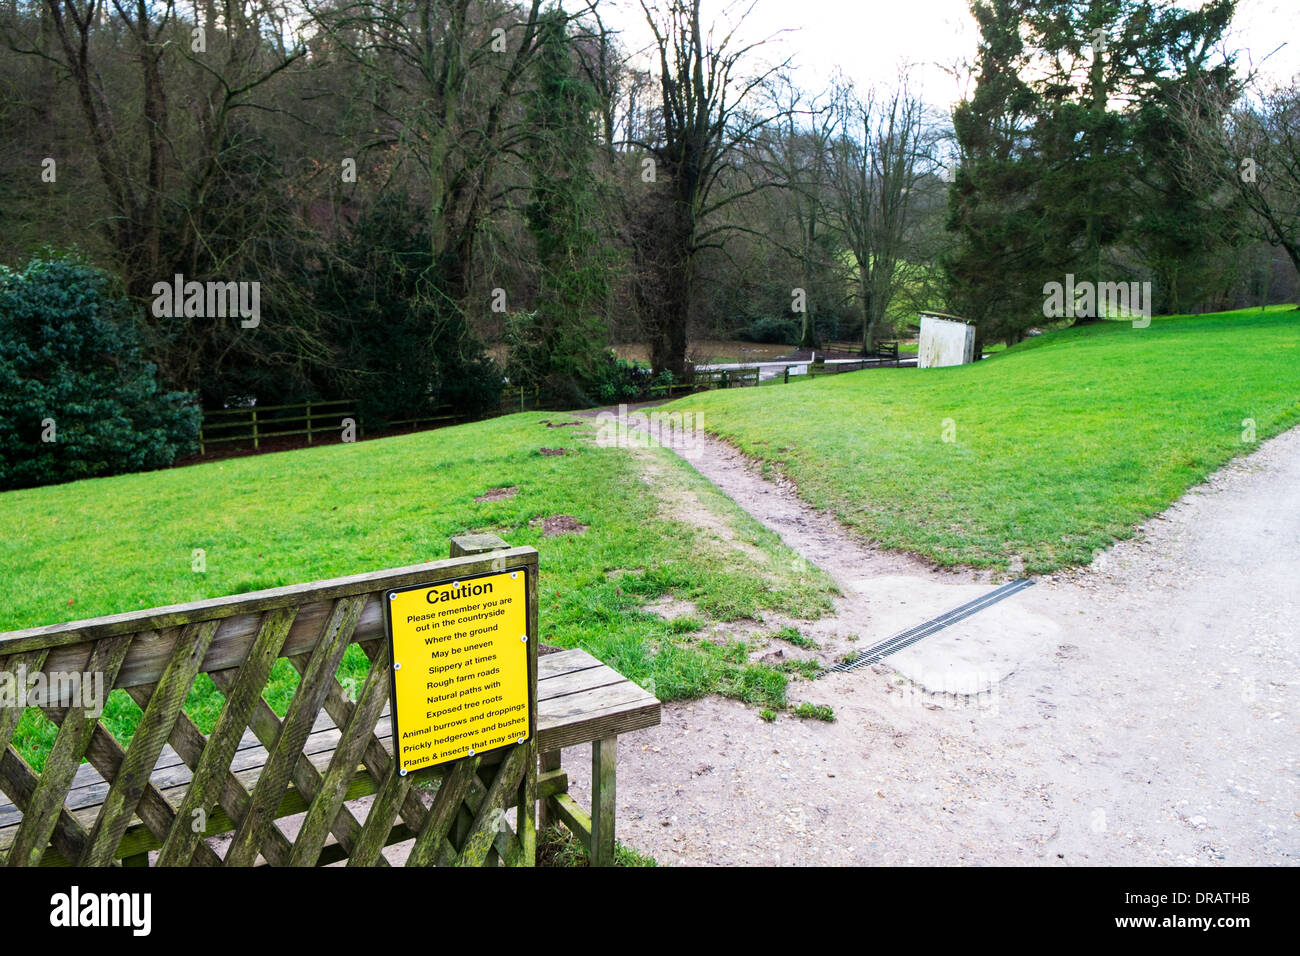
[460, 667]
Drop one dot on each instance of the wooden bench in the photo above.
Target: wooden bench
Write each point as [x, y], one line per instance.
[579, 701]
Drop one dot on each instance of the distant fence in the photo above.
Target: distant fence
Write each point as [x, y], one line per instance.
[255, 423]
[323, 418]
[316, 419]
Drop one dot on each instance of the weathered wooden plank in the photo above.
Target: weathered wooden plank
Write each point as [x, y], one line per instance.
[564, 808]
[21, 781]
[154, 810]
[325, 737]
[220, 748]
[487, 819]
[548, 719]
[526, 809]
[132, 775]
[471, 544]
[70, 745]
[376, 757]
[603, 775]
[89, 787]
[332, 852]
[579, 728]
[233, 799]
[356, 734]
[455, 785]
[30, 664]
[575, 682]
[550, 768]
[564, 662]
[175, 615]
[138, 839]
[234, 639]
[551, 782]
[175, 773]
[294, 730]
[379, 821]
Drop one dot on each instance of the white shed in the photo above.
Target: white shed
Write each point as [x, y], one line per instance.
[945, 340]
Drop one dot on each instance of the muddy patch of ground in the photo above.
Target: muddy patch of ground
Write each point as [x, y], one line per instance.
[498, 494]
[558, 524]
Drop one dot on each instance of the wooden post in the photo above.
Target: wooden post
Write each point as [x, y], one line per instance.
[603, 762]
[549, 761]
[309, 423]
[464, 545]
[255, 445]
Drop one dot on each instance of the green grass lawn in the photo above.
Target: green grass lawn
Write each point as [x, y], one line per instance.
[1059, 446]
[109, 545]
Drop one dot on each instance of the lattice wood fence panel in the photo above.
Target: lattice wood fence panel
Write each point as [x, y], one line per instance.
[456, 813]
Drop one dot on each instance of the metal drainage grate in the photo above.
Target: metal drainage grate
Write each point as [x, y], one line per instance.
[913, 634]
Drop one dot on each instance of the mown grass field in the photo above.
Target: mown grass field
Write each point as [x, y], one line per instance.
[103, 546]
[1059, 446]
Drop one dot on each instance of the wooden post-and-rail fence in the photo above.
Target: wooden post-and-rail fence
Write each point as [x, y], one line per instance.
[254, 423]
[455, 812]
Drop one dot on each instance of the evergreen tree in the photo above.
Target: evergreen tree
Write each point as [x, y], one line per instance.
[77, 397]
[560, 345]
[1067, 149]
[994, 203]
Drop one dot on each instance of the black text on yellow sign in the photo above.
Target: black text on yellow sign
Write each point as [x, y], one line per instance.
[460, 667]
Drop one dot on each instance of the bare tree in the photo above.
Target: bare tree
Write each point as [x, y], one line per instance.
[450, 72]
[704, 123]
[880, 155]
[135, 145]
[800, 161]
[1259, 155]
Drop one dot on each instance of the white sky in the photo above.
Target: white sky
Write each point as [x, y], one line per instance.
[870, 39]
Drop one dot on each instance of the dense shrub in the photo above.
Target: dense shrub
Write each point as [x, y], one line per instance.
[77, 398]
[767, 330]
[619, 380]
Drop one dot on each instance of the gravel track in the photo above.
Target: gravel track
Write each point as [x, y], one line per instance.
[1140, 711]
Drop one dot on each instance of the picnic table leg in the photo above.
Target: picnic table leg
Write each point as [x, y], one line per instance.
[550, 761]
[603, 757]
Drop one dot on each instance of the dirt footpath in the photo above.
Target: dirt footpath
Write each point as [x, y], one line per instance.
[1140, 712]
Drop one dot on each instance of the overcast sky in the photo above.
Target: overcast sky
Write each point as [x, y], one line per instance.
[869, 39]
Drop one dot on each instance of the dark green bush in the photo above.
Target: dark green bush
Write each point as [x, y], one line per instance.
[767, 330]
[77, 398]
[618, 380]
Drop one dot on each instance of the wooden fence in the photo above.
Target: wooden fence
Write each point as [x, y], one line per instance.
[454, 812]
[319, 418]
[255, 423]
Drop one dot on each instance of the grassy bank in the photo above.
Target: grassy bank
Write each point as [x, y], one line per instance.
[109, 545]
[1048, 451]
